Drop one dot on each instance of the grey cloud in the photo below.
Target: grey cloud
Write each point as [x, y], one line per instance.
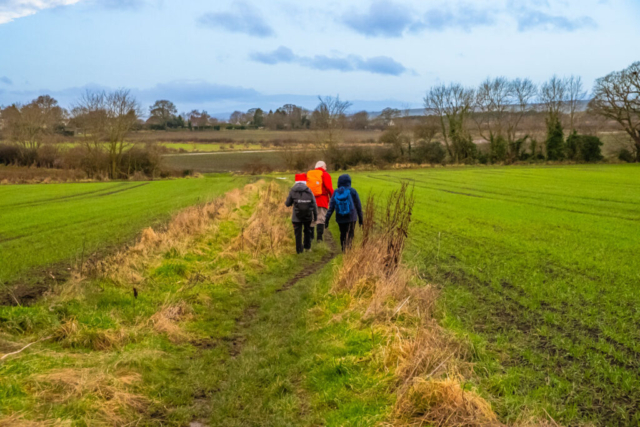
[383, 18]
[6, 80]
[534, 18]
[245, 19]
[281, 54]
[463, 16]
[377, 65]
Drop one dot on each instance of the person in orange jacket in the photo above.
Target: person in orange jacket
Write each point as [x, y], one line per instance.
[319, 181]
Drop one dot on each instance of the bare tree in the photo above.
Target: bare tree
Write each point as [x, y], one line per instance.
[359, 120]
[32, 124]
[553, 96]
[523, 92]
[388, 115]
[452, 105]
[163, 111]
[617, 97]
[329, 119]
[575, 94]
[107, 119]
[492, 107]
[236, 117]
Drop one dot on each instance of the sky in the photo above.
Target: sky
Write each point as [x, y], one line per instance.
[227, 55]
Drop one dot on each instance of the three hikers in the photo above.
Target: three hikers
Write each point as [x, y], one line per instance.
[314, 202]
[305, 212]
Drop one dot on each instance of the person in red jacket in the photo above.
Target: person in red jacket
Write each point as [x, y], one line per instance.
[319, 181]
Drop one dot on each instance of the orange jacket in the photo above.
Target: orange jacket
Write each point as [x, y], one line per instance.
[323, 200]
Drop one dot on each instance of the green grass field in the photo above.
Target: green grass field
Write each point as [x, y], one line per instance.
[539, 268]
[45, 224]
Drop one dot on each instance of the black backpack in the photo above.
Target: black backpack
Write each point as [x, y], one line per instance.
[304, 207]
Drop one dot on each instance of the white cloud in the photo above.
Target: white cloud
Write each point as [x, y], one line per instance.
[14, 9]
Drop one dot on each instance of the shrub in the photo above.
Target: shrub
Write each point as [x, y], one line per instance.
[429, 152]
[483, 158]
[298, 160]
[257, 167]
[584, 148]
[145, 160]
[92, 162]
[344, 158]
[573, 146]
[9, 154]
[48, 156]
[393, 136]
[498, 149]
[591, 148]
[626, 156]
[216, 127]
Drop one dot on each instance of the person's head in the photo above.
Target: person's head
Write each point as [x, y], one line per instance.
[301, 177]
[321, 165]
[344, 181]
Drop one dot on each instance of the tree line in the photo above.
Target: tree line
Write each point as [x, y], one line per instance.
[499, 111]
[497, 108]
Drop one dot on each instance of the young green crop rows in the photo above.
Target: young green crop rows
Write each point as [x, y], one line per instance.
[539, 268]
[45, 224]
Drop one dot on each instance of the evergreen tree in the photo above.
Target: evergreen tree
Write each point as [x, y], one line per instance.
[555, 139]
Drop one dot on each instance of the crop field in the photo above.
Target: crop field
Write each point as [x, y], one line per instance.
[539, 271]
[45, 224]
[535, 271]
[249, 136]
[223, 162]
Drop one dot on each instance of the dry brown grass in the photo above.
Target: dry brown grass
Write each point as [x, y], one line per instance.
[72, 334]
[111, 395]
[16, 420]
[444, 402]
[167, 321]
[266, 231]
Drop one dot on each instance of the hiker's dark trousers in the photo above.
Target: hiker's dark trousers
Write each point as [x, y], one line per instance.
[300, 228]
[347, 230]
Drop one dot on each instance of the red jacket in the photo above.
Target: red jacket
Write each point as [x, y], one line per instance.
[327, 187]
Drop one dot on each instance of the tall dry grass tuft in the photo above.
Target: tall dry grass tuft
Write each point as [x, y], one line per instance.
[426, 360]
[444, 403]
[267, 230]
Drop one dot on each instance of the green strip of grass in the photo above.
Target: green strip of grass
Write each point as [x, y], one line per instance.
[46, 224]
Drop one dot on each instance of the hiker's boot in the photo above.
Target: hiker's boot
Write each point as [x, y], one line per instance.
[320, 231]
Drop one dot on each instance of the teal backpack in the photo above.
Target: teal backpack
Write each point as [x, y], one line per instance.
[343, 202]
